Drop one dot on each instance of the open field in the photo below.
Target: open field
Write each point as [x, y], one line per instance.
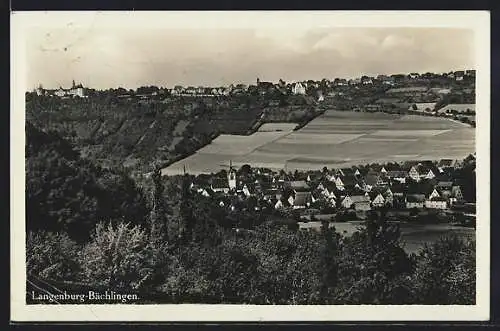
[336, 139]
[241, 145]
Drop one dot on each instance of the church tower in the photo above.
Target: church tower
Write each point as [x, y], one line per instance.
[231, 177]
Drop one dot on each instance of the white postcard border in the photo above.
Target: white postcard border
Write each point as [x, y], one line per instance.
[478, 21]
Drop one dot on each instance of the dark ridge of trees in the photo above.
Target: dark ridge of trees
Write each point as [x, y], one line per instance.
[65, 193]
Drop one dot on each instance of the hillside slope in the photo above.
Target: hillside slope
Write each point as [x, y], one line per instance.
[140, 134]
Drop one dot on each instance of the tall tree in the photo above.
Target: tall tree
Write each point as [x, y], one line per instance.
[158, 219]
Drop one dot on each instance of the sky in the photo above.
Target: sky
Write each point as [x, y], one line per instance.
[108, 58]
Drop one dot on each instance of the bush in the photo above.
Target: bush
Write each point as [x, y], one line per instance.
[52, 255]
[446, 272]
[120, 257]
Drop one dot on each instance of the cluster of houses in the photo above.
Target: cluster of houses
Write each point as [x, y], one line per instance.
[76, 90]
[408, 185]
[399, 84]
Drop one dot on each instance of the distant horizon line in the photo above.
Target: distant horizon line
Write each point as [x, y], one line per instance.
[80, 82]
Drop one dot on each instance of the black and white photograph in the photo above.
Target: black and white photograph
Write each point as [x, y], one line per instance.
[255, 166]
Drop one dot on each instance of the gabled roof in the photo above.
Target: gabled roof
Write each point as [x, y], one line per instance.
[374, 194]
[425, 168]
[302, 198]
[396, 173]
[359, 198]
[349, 180]
[437, 199]
[407, 165]
[219, 183]
[329, 185]
[300, 186]
[415, 198]
[443, 184]
[250, 187]
[398, 188]
[371, 178]
[356, 191]
[316, 194]
[393, 167]
[346, 172]
[271, 191]
[443, 163]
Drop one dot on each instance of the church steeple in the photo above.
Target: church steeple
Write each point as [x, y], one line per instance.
[231, 176]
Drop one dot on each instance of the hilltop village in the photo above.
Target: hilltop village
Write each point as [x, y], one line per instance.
[414, 189]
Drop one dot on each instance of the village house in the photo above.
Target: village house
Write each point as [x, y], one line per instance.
[328, 190]
[414, 75]
[459, 75]
[355, 81]
[388, 197]
[421, 171]
[272, 193]
[398, 190]
[436, 203]
[434, 194]
[299, 185]
[448, 191]
[361, 202]
[415, 201]
[373, 179]
[76, 90]
[367, 80]
[445, 164]
[298, 88]
[470, 73]
[301, 200]
[265, 87]
[340, 82]
[220, 185]
[378, 199]
[397, 176]
[248, 189]
[281, 204]
[386, 80]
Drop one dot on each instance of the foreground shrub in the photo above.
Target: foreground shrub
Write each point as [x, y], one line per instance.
[446, 272]
[52, 255]
[120, 257]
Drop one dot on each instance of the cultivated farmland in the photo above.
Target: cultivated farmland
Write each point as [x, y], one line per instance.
[335, 139]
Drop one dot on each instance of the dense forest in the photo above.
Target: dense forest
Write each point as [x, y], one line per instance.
[93, 225]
